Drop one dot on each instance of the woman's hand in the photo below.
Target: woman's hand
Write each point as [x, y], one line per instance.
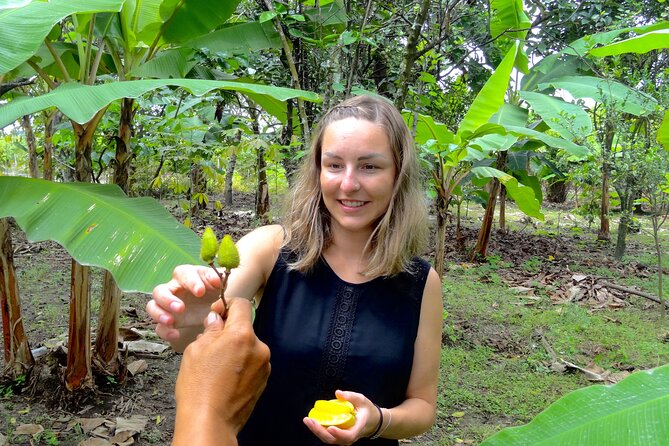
[193, 288]
[366, 420]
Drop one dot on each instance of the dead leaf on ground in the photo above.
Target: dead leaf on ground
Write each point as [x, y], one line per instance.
[94, 442]
[87, 424]
[134, 424]
[3, 440]
[123, 438]
[29, 429]
[137, 367]
[142, 346]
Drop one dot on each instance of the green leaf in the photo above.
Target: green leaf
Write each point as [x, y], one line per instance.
[173, 63]
[632, 412]
[663, 132]
[136, 239]
[508, 18]
[266, 16]
[491, 96]
[552, 67]
[573, 149]
[581, 46]
[611, 93]
[509, 114]
[23, 30]
[241, 38]
[81, 102]
[569, 120]
[521, 194]
[184, 20]
[653, 40]
[427, 129]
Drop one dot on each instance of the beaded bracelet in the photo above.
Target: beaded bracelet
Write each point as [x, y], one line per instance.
[378, 428]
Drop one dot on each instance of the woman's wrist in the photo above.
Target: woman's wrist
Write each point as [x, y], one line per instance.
[385, 418]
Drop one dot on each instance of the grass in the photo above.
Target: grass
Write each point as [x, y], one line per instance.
[495, 368]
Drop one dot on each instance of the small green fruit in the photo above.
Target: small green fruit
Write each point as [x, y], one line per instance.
[209, 245]
[228, 256]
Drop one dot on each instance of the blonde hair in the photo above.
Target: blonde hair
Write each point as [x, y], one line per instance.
[399, 235]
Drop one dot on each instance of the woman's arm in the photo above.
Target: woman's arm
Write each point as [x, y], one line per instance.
[180, 306]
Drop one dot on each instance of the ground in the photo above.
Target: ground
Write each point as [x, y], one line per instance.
[537, 271]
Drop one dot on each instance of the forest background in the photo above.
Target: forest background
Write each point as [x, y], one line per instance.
[543, 119]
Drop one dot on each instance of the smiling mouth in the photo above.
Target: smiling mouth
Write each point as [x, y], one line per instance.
[352, 204]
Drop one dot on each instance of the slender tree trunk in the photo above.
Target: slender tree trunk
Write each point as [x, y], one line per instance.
[288, 161]
[32, 146]
[502, 209]
[18, 359]
[262, 189]
[410, 55]
[481, 248]
[123, 152]
[50, 122]
[198, 185]
[604, 227]
[626, 210]
[230, 170]
[442, 225]
[658, 253]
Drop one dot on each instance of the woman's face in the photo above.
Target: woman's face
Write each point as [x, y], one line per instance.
[357, 174]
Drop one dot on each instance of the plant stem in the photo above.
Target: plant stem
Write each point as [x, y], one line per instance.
[222, 286]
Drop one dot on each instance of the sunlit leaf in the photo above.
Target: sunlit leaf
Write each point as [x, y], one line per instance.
[653, 40]
[569, 120]
[632, 412]
[521, 194]
[81, 102]
[136, 239]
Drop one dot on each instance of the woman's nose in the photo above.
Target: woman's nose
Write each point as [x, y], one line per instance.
[350, 182]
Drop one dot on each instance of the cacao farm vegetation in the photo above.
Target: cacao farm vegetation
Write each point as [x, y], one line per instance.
[542, 134]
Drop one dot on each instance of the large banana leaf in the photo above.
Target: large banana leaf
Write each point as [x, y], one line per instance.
[136, 239]
[521, 194]
[569, 120]
[611, 93]
[581, 46]
[653, 40]
[81, 102]
[509, 18]
[491, 96]
[184, 20]
[630, 413]
[22, 30]
[244, 38]
[580, 152]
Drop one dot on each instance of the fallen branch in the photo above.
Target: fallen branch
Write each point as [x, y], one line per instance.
[636, 292]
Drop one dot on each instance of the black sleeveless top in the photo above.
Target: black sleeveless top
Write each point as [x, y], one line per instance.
[326, 334]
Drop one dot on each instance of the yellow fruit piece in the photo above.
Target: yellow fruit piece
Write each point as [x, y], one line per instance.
[338, 413]
[228, 256]
[334, 406]
[208, 246]
[325, 419]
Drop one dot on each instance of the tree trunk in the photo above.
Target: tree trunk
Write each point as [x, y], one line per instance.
[442, 225]
[502, 209]
[290, 165]
[32, 146]
[50, 122]
[78, 373]
[18, 359]
[262, 194]
[655, 219]
[626, 211]
[106, 355]
[557, 191]
[230, 170]
[480, 250]
[198, 185]
[123, 152]
[604, 229]
[411, 55]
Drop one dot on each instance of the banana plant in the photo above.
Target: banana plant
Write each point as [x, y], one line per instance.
[112, 38]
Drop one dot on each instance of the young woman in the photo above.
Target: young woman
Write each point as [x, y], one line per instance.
[345, 306]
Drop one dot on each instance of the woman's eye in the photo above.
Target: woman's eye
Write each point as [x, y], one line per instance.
[369, 167]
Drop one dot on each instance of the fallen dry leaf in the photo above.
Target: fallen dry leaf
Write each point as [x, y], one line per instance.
[134, 424]
[29, 429]
[87, 424]
[137, 367]
[94, 442]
